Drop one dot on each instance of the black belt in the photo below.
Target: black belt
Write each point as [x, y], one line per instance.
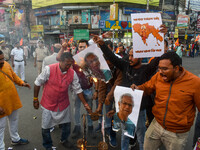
[19, 60]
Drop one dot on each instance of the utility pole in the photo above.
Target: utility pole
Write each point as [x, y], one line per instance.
[147, 5]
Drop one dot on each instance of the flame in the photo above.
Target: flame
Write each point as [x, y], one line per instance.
[80, 69]
[82, 147]
[94, 79]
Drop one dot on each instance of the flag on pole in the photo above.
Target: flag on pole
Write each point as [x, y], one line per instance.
[197, 38]
[177, 42]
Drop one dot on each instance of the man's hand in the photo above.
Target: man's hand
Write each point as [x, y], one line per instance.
[133, 86]
[98, 40]
[88, 108]
[110, 113]
[26, 85]
[94, 116]
[107, 34]
[64, 46]
[36, 104]
[99, 108]
[163, 29]
[2, 112]
[95, 95]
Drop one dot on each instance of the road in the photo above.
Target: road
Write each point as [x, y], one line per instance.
[30, 119]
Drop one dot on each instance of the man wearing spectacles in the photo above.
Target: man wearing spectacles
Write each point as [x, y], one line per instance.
[121, 119]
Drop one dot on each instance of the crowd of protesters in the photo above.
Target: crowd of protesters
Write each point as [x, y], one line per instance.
[170, 117]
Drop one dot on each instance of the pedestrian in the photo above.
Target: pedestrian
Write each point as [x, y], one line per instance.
[18, 60]
[5, 50]
[9, 103]
[177, 95]
[57, 78]
[40, 53]
[86, 85]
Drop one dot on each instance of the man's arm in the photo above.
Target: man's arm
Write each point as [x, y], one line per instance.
[35, 99]
[12, 60]
[64, 45]
[35, 59]
[101, 95]
[24, 60]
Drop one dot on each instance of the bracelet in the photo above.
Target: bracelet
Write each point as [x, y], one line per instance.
[35, 98]
[86, 105]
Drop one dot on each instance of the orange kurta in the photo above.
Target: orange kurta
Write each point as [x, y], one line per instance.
[9, 99]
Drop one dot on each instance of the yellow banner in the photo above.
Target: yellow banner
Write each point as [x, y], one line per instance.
[114, 11]
[37, 28]
[44, 3]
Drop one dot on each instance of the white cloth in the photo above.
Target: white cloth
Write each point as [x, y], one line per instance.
[51, 118]
[18, 54]
[19, 66]
[44, 77]
[49, 60]
[13, 128]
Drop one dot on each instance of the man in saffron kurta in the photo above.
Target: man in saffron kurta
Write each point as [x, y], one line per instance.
[55, 104]
[9, 103]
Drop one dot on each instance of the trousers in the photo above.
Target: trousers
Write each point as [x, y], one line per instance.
[19, 66]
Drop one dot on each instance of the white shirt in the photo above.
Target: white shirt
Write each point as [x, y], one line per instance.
[18, 54]
[44, 77]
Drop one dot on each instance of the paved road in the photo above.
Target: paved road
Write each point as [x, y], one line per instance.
[30, 128]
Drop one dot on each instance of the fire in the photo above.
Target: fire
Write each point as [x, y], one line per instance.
[80, 69]
[82, 147]
[94, 79]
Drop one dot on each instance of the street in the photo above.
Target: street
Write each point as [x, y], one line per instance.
[30, 119]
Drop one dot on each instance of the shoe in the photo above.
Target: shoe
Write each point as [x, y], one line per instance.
[98, 128]
[76, 132]
[67, 144]
[91, 132]
[20, 142]
[112, 141]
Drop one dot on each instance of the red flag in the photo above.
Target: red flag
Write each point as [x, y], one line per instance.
[71, 40]
[21, 42]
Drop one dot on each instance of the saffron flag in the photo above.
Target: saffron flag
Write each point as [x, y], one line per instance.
[197, 38]
[177, 42]
[71, 40]
[21, 42]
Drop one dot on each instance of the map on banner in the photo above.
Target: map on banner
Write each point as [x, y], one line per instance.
[147, 40]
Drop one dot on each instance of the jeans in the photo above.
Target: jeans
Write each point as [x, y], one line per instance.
[156, 135]
[77, 107]
[141, 128]
[124, 141]
[196, 129]
[47, 141]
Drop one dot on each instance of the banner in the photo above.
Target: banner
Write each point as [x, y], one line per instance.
[176, 33]
[114, 11]
[37, 28]
[183, 21]
[19, 17]
[44, 12]
[118, 25]
[85, 16]
[193, 5]
[147, 40]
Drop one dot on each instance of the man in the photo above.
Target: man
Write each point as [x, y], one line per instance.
[5, 50]
[92, 62]
[177, 95]
[9, 103]
[56, 79]
[121, 119]
[48, 60]
[40, 53]
[122, 52]
[86, 85]
[18, 60]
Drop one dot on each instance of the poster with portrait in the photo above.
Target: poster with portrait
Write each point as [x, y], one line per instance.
[127, 102]
[55, 20]
[95, 20]
[76, 19]
[85, 16]
[92, 60]
[147, 40]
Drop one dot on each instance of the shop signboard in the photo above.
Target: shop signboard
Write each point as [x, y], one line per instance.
[81, 34]
[114, 11]
[118, 25]
[44, 3]
[85, 16]
[102, 24]
[176, 33]
[44, 12]
[37, 28]
[183, 21]
[193, 5]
